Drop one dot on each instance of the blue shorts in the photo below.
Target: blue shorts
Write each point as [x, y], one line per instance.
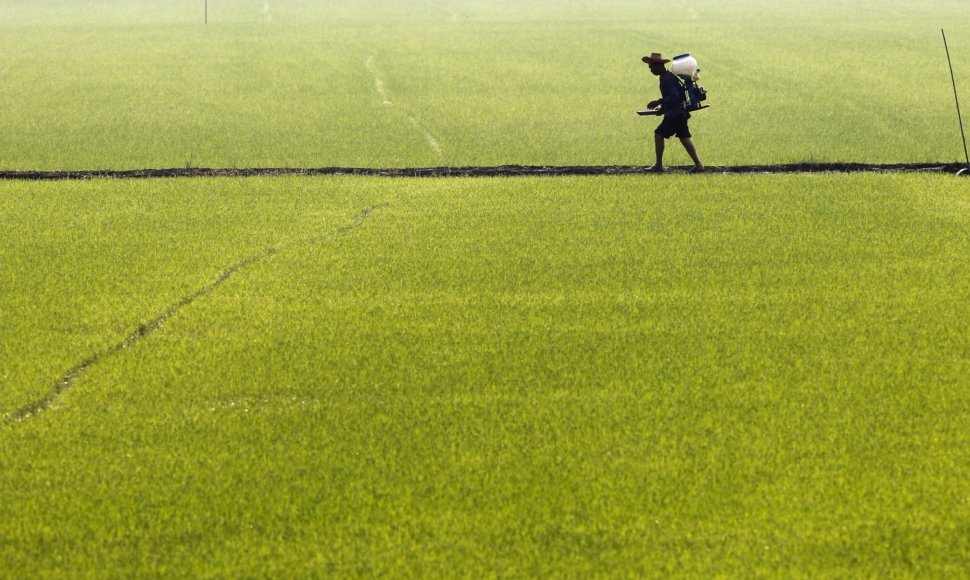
[671, 126]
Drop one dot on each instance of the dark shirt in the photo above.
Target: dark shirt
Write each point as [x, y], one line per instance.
[672, 97]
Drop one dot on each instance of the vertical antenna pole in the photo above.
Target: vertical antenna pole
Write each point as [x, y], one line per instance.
[956, 98]
[207, 12]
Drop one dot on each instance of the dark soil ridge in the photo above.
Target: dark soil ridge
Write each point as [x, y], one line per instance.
[494, 171]
[146, 329]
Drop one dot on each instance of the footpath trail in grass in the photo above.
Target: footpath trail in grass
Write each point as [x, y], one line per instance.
[618, 375]
[85, 264]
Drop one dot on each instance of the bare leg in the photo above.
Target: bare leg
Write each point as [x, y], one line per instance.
[659, 146]
[689, 146]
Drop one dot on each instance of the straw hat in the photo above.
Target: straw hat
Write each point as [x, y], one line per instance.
[655, 58]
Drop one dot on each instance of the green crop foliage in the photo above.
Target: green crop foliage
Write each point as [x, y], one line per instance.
[125, 84]
[686, 376]
[692, 376]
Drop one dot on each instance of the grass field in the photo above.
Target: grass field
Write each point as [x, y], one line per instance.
[686, 376]
[122, 84]
[721, 375]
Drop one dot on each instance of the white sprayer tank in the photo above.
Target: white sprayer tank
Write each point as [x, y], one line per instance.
[684, 64]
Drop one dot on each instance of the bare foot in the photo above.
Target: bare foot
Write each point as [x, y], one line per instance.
[656, 169]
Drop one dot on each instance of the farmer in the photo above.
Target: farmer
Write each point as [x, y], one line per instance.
[672, 104]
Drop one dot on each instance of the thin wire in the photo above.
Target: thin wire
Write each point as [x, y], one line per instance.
[956, 98]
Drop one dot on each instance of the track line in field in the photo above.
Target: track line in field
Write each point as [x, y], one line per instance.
[378, 82]
[146, 329]
[381, 87]
[479, 171]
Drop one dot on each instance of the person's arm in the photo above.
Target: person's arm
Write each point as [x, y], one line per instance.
[671, 95]
[654, 104]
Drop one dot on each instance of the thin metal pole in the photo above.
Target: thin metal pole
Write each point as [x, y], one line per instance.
[206, 11]
[956, 98]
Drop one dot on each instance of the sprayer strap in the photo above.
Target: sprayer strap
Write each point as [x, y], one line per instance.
[683, 86]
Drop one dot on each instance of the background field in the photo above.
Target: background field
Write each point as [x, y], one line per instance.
[123, 84]
[522, 377]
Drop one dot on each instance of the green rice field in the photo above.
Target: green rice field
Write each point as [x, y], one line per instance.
[682, 376]
[126, 84]
[603, 376]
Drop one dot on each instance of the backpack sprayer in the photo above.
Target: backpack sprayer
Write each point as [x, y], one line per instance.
[684, 68]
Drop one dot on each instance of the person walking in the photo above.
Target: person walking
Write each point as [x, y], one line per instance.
[671, 104]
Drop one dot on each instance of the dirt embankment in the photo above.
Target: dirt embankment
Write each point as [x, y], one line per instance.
[495, 171]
